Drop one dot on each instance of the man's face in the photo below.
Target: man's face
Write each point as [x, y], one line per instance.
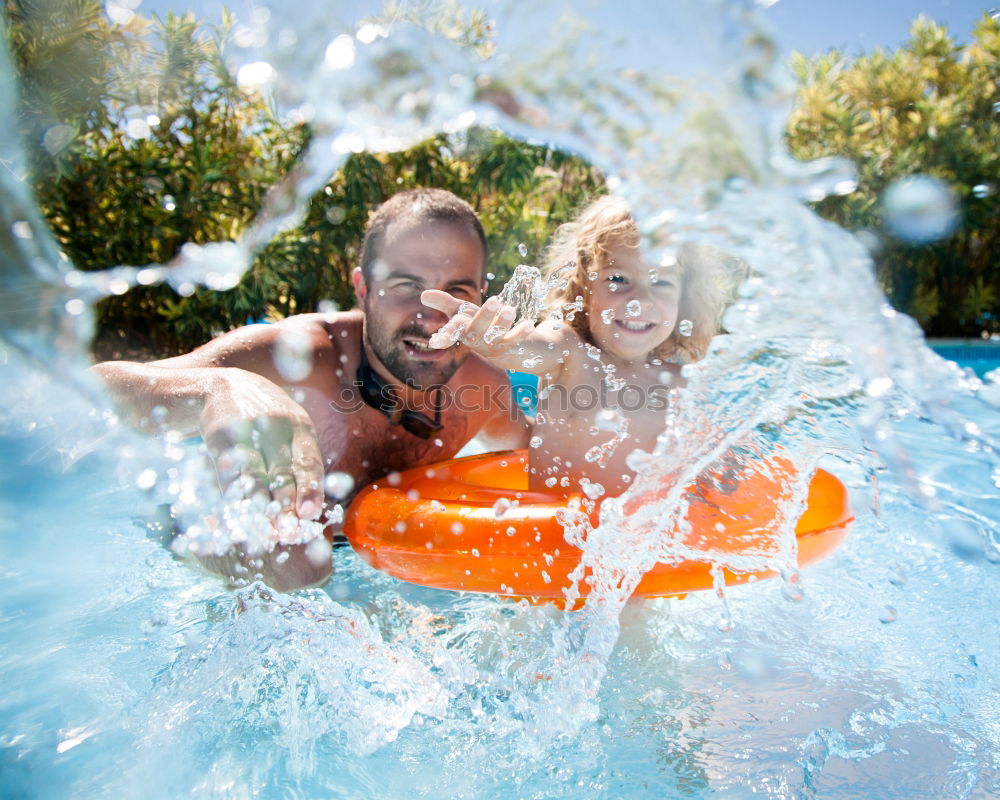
[413, 258]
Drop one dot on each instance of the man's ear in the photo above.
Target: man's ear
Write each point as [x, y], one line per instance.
[360, 287]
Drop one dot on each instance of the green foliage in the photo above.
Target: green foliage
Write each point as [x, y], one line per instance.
[930, 108]
[521, 192]
[154, 145]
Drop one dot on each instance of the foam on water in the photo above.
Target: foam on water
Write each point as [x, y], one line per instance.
[875, 672]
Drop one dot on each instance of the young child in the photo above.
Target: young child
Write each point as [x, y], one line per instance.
[610, 351]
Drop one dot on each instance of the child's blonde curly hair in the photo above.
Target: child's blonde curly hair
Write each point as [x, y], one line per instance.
[581, 247]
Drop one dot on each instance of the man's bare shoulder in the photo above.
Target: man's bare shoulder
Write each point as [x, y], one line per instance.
[254, 347]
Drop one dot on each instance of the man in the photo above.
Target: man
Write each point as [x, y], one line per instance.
[357, 392]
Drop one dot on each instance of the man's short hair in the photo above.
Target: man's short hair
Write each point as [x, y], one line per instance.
[418, 206]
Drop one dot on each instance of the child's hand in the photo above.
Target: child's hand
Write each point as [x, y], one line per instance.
[485, 329]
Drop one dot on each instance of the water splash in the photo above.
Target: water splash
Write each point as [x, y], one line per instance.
[813, 364]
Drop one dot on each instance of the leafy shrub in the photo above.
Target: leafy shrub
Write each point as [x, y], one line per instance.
[931, 108]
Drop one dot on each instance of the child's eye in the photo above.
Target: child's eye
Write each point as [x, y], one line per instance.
[617, 278]
[664, 282]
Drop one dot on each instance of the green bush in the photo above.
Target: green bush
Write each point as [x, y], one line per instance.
[931, 108]
[200, 172]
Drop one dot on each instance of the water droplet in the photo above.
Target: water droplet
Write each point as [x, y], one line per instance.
[528, 363]
[685, 327]
[522, 250]
[550, 482]
[368, 33]
[879, 387]
[536, 441]
[982, 190]
[340, 52]
[169, 202]
[591, 489]
[137, 128]
[501, 507]
[75, 307]
[338, 485]
[920, 209]
[633, 308]
[889, 614]
[21, 229]
[608, 316]
[293, 355]
[255, 77]
[56, 138]
[146, 479]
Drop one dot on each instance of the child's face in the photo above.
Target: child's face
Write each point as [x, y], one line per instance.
[633, 304]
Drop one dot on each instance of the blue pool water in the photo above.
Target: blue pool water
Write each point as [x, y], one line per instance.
[128, 672]
[979, 358]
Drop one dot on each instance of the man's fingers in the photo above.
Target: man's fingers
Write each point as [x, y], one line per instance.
[307, 468]
[490, 323]
[460, 311]
[444, 302]
[281, 482]
[450, 333]
[243, 466]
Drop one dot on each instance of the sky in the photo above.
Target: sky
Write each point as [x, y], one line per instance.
[809, 26]
[814, 26]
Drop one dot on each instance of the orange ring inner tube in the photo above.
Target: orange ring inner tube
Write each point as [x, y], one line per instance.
[440, 526]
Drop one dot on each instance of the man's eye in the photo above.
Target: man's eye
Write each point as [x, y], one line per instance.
[407, 287]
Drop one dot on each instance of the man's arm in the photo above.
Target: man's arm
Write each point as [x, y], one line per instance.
[256, 432]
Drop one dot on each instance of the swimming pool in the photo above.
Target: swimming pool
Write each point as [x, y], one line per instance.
[979, 357]
[129, 673]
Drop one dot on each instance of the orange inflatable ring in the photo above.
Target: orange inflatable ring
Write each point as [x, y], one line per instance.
[438, 526]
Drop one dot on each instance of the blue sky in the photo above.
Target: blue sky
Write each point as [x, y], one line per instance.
[862, 25]
[807, 25]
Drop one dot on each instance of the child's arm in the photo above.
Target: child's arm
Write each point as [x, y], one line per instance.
[487, 330]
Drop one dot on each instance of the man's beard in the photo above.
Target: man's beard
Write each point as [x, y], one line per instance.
[390, 350]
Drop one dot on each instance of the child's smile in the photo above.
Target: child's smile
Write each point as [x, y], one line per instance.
[633, 305]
